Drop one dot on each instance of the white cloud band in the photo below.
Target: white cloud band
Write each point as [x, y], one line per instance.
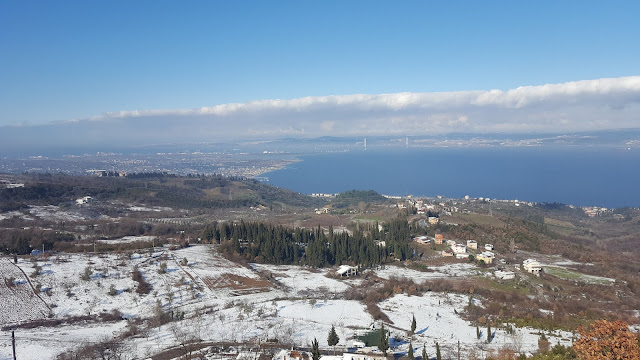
[612, 103]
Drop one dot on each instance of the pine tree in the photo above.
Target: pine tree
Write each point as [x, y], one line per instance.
[413, 325]
[383, 344]
[424, 352]
[333, 338]
[315, 349]
[438, 355]
[410, 353]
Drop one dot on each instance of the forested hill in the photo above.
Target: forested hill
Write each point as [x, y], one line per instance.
[157, 189]
[354, 197]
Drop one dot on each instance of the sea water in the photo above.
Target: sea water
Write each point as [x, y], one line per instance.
[583, 176]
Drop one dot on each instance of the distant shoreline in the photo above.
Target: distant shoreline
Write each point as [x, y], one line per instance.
[262, 172]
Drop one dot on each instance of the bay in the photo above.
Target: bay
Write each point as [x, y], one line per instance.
[582, 176]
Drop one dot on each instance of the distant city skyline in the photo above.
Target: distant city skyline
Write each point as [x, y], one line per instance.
[90, 60]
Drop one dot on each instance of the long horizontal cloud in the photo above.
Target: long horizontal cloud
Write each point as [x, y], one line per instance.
[601, 104]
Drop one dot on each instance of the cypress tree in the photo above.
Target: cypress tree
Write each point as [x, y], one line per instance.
[333, 338]
[438, 355]
[315, 349]
[413, 325]
[383, 344]
[410, 353]
[424, 352]
[488, 333]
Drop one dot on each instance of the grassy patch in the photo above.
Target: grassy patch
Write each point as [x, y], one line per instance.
[419, 266]
[559, 223]
[379, 219]
[506, 285]
[573, 275]
[563, 227]
[562, 273]
[482, 219]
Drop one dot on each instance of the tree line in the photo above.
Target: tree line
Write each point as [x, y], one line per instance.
[275, 244]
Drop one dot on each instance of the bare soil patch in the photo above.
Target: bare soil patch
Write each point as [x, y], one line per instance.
[236, 282]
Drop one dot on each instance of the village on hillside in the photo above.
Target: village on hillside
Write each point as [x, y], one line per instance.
[87, 274]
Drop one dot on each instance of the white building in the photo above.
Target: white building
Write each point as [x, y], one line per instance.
[532, 266]
[505, 275]
[472, 244]
[346, 270]
[422, 239]
[459, 248]
[84, 200]
[488, 247]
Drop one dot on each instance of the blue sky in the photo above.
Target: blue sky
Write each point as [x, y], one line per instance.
[79, 59]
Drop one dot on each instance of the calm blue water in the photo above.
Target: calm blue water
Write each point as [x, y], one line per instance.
[579, 176]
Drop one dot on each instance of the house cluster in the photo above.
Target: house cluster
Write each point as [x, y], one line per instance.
[516, 202]
[592, 211]
[107, 173]
[461, 251]
[420, 205]
[321, 195]
[422, 208]
[394, 197]
[325, 210]
[531, 266]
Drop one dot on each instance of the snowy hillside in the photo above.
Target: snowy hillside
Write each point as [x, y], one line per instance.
[197, 294]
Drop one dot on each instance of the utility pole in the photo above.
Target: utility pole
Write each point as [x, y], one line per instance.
[13, 343]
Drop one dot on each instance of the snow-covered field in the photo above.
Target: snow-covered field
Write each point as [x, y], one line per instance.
[128, 239]
[452, 270]
[10, 214]
[17, 298]
[149, 208]
[224, 301]
[49, 213]
[301, 280]
[437, 321]
[54, 213]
